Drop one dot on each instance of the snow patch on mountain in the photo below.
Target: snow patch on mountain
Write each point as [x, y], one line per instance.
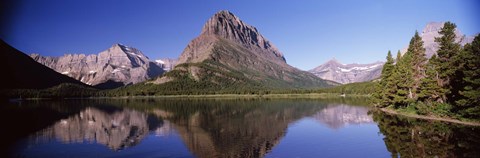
[348, 73]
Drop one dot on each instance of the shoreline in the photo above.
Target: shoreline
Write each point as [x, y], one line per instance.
[213, 96]
[434, 118]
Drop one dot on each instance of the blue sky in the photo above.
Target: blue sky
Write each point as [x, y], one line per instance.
[308, 32]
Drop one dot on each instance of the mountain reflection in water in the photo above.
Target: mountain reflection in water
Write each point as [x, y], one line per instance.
[228, 128]
[337, 116]
[208, 128]
[116, 129]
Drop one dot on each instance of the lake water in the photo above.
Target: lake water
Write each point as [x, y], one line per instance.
[224, 128]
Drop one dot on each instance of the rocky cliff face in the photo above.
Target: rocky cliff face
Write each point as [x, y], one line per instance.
[229, 50]
[348, 73]
[227, 26]
[117, 66]
[430, 32]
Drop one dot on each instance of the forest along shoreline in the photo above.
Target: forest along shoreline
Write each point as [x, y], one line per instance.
[444, 87]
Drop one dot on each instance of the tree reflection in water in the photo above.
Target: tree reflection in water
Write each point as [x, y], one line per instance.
[409, 137]
[231, 127]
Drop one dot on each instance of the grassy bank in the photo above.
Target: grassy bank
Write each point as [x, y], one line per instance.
[407, 113]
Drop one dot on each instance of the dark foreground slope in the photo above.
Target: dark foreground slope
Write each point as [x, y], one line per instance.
[24, 77]
[22, 72]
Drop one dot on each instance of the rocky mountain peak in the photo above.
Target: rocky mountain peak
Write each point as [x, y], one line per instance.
[226, 25]
[334, 61]
[430, 32]
[433, 27]
[230, 53]
[120, 48]
[223, 23]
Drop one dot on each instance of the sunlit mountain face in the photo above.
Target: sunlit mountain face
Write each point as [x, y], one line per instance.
[117, 66]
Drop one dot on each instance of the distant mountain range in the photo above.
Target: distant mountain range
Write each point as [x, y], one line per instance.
[228, 55]
[117, 66]
[231, 54]
[350, 73]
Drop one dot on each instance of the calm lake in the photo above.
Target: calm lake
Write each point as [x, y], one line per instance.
[224, 128]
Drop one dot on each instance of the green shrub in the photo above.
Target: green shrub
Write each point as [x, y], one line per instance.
[422, 108]
[442, 109]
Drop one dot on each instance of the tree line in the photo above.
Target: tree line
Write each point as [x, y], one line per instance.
[446, 84]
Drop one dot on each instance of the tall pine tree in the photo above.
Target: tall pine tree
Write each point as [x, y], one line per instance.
[469, 104]
[418, 62]
[403, 81]
[446, 65]
[385, 88]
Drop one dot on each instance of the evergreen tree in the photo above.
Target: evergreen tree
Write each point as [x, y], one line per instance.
[469, 104]
[399, 56]
[418, 61]
[385, 90]
[446, 65]
[430, 90]
[403, 81]
[452, 77]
